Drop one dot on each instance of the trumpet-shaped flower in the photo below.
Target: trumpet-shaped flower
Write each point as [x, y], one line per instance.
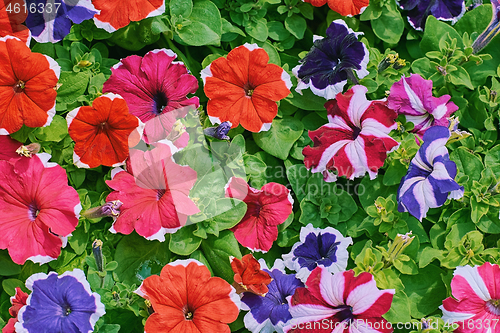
[185, 299]
[331, 61]
[155, 89]
[412, 96]
[11, 20]
[248, 277]
[38, 209]
[445, 10]
[430, 178]
[271, 313]
[346, 303]
[101, 132]
[50, 20]
[59, 304]
[355, 140]
[476, 299]
[27, 82]
[491, 30]
[343, 7]
[318, 247]
[154, 193]
[243, 88]
[266, 209]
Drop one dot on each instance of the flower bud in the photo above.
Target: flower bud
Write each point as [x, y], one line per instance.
[97, 250]
[111, 208]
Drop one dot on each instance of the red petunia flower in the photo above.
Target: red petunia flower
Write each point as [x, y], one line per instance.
[38, 209]
[101, 132]
[248, 277]
[17, 301]
[116, 14]
[266, 209]
[12, 15]
[243, 88]
[343, 7]
[155, 88]
[27, 82]
[154, 193]
[186, 299]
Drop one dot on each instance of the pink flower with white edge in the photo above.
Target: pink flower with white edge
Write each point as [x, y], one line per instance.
[154, 192]
[475, 305]
[266, 209]
[38, 209]
[355, 140]
[412, 96]
[339, 303]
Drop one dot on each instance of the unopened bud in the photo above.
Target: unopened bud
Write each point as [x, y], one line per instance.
[111, 208]
[97, 251]
[400, 63]
[389, 60]
[219, 132]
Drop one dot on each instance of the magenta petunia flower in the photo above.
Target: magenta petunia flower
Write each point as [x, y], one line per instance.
[340, 303]
[8, 147]
[355, 140]
[266, 209]
[154, 192]
[412, 96]
[38, 209]
[153, 87]
[475, 305]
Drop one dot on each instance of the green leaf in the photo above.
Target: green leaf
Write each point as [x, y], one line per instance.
[7, 266]
[183, 241]
[406, 267]
[56, 131]
[109, 328]
[78, 240]
[434, 31]
[394, 173]
[428, 254]
[10, 286]
[425, 291]
[274, 57]
[22, 134]
[138, 258]
[467, 163]
[297, 176]
[280, 138]
[205, 27]
[478, 210]
[257, 29]
[217, 250]
[400, 308]
[460, 77]
[296, 25]
[198, 255]
[181, 8]
[306, 100]
[389, 26]
[73, 85]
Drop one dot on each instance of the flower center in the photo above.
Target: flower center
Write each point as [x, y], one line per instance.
[160, 101]
[248, 89]
[33, 211]
[355, 132]
[160, 194]
[19, 86]
[188, 313]
[345, 313]
[102, 126]
[66, 311]
[494, 306]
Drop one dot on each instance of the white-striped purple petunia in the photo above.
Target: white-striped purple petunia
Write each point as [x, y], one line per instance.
[412, 96]
[430, 178]
[444, 10]
[50, 20]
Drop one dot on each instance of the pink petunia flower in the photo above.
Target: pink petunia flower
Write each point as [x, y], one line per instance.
[339, 303]
[38, 209]
[154, 192]
[355, 140]
[475, 305]
[412, 96]
[266, 209]
[155, 88]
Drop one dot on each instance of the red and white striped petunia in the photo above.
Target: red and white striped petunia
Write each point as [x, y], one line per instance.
[355, 140]
[475, 305]
[340, 303]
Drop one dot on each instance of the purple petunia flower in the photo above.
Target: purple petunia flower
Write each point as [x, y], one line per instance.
[318, 247]
[50, 20]
[444, 10]
[59, 304]
[412, 96]
[270, 313]
[430, 178]
[331, 61]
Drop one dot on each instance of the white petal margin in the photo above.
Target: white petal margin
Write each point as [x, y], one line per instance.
[160, 234]
[54, 66]
[103, 25]
[364, 63]
[206, 72]
[265, 127]
[251, 47]
[39, 259]
[341, 254]
[160, 10]
[214, 120]
[79, 275]
[44, 158]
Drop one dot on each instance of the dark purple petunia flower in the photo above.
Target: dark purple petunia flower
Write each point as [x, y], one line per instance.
[50, 20]
[270, 313]
[444, 10]
[219, 132]
[59, 304]
[318, 247]
[331, 61]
